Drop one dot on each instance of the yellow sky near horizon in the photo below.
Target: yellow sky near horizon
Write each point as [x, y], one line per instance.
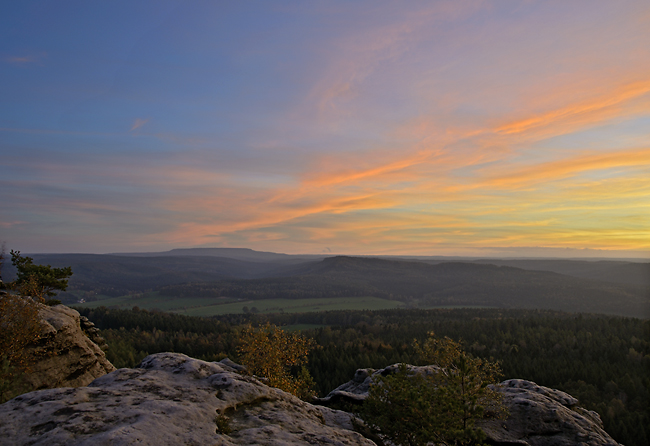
[435, 128]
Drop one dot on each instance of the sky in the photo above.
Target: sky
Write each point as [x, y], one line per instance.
[476, 128]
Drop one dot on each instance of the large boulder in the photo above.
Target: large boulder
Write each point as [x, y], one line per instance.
[65, 355]
[356, 390]
[171, 399]
[538, 416]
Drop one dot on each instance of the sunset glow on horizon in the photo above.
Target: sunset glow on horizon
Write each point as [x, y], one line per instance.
[472, 128]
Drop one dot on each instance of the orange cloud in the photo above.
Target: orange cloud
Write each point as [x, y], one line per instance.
[569, 167]
[595, 110]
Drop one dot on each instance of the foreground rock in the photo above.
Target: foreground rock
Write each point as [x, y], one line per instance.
[65, 354]
[171, 399]
[539, 416]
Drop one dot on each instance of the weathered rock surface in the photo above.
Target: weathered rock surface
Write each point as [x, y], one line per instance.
[66, 355]
[356, 391]
[539, 416]
[171, 399]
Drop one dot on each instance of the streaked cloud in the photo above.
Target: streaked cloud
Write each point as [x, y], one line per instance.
[593, 111]
[446, 127]
[25, 59]
[138, 123]
[552, 171]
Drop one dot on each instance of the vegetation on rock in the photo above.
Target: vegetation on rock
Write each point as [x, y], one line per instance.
[19, 327]
[413, 408]
[20, 324]
[38, 281]
[278, 356]
[601, 360]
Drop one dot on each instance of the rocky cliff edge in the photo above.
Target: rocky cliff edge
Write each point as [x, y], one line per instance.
[538, 415]
[172, 399]
[67, 353]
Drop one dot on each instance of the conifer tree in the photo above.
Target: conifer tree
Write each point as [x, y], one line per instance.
[38, 281]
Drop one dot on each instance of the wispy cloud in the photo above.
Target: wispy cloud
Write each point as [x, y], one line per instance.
[440, 127]
[26, 59]
[138, 123]
[593, 111]
[10, 224]
[551, 171]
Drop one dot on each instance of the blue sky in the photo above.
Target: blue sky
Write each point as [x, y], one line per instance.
[431, 128]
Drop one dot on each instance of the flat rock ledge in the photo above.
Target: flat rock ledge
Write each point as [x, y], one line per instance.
[172, 399]
[539, 416]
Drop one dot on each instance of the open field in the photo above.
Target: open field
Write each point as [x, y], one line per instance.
[153, 301]
[212, 306]
[295, 305]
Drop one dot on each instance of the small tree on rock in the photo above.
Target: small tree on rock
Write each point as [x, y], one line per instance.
[38, 281]
[415, 409]
[278, 356]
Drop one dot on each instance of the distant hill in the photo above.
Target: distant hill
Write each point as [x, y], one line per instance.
[115, 275]
[244, 254]
[631, 273]
[611, 287]
[425, 285]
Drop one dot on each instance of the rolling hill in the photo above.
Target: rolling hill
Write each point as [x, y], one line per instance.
[420, 284]
[611, 287]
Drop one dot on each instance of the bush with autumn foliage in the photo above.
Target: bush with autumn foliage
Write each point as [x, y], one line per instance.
[280, 357]
[411, 408]
[20, 324]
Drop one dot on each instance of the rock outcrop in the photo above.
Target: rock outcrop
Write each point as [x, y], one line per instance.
[66, 354]
[171, 399]
[539, 416]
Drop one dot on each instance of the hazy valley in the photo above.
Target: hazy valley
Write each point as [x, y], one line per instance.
[205, 282]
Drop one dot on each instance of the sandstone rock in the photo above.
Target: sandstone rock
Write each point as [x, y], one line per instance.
[539, 416]
[171, 399]
[92, 332]
[66, 356]
[356, 391]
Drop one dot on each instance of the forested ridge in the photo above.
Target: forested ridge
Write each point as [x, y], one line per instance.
[610, 287]
[420, 284]
[601, 360]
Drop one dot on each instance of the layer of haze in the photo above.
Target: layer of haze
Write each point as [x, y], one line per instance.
[430, 128]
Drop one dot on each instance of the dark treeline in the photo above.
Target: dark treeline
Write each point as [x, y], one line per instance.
[601, 360]
[273, 288]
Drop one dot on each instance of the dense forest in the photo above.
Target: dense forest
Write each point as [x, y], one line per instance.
[602, 360]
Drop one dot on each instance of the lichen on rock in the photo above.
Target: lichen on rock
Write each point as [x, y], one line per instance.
[538, 415]
[173, 399]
